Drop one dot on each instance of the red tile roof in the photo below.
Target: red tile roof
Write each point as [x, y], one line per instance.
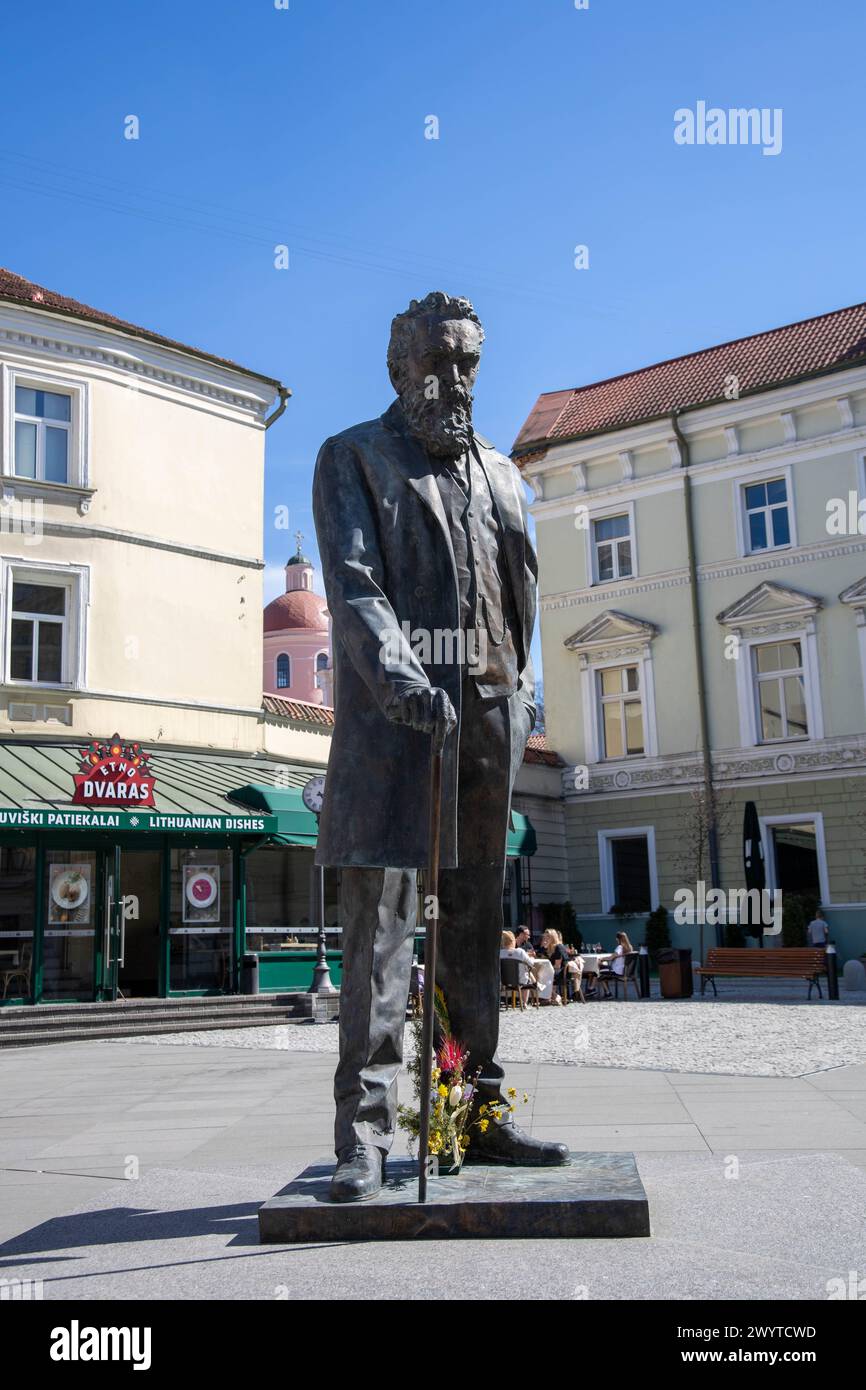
[299, 711]
[827, 343]
[16, 290]
[537, 751]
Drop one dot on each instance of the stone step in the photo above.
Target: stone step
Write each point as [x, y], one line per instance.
[83, 1032]
[138, 1008]
[22, 1024]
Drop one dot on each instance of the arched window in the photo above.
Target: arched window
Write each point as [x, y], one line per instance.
[284, 671]
[321, 665]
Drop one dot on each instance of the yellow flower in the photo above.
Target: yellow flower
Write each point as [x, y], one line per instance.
[484, 1125]
[525, 1098]
[482, 1109]
[443, 1090]
[511, 1091]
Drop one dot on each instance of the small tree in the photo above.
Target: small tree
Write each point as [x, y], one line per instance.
[657, 934]
[692, 863]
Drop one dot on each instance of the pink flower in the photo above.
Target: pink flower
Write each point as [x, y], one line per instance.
[451, 1056]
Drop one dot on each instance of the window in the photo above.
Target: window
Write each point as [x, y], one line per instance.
[621, 711]
[37, 632]
[612, 548]
[43, 623]
[629, 878]
[781, 691]
[321, 665]
[768, 522]
[278, 900]
[43, 425]
[284, 672]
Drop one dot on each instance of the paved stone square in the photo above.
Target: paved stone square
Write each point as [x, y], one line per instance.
[763, 1029]
[757, 1184]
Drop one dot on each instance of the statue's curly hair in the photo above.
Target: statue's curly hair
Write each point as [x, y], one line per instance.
[437, 304]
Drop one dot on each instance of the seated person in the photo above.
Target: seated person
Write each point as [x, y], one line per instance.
[510, 951]
[616, 964]
[523, 940]
[552, 947]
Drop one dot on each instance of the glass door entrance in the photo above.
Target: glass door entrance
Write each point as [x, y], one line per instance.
[72, 907]
[102, 924]
[138, 954]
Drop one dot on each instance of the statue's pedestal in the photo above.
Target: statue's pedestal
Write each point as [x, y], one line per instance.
[596, 1194]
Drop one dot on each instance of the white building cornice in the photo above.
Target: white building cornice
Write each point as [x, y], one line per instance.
[808, 760]
[43, 336]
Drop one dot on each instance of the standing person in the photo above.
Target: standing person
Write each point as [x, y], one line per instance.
[818, 932]
[430, 577]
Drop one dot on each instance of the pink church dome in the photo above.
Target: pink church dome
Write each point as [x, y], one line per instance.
[299, 608]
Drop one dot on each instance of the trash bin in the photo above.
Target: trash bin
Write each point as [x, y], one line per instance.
[675, 973]
[250, 974]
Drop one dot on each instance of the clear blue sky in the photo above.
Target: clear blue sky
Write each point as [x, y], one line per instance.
[306, 127]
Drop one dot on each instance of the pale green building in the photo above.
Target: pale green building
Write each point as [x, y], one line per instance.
[701, 529]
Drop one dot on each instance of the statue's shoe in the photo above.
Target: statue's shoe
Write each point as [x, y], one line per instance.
[360, 1173]
[505, 1142]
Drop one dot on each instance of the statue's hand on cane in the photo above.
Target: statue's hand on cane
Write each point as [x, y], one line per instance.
[428, 709]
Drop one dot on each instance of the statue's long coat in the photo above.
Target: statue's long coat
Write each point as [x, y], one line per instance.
[387, 559]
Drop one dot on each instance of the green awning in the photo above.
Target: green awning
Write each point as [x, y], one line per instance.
[193, 793]
[521, 836]
[295, 824]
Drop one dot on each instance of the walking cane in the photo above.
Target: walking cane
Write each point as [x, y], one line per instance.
[431, 942]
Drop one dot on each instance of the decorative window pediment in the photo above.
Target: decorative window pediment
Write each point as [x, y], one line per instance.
[770, 606]
[611, 633]
[855, 595]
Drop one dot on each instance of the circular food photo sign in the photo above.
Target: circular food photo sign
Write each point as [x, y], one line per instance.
[69, 890]
[201, 888]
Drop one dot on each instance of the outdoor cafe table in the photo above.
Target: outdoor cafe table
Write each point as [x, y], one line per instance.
[593, 963]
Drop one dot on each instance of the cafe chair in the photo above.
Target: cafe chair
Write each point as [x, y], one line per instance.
[570, 985]
[510, 987]
[21, 972]
[415, 992]
[608, 977]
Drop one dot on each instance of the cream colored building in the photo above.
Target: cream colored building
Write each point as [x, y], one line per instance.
[131, 564]
[137, 466]
[700, 544]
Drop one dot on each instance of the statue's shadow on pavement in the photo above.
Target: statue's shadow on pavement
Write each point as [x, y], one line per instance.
[54, 1240]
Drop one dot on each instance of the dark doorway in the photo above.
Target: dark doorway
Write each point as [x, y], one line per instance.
[795, 850]
[138, 966]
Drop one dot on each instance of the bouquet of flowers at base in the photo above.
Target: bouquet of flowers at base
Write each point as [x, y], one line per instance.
[454, 1113]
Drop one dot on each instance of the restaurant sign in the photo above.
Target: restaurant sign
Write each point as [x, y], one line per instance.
[115, 773]
[55, 818]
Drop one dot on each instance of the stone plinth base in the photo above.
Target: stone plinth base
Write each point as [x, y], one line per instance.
[596, 1194]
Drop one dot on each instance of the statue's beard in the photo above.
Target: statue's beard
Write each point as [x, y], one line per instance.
[443, 426]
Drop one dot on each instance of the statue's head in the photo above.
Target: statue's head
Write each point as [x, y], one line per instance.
[433, 359]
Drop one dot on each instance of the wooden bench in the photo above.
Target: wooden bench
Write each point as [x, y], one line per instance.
[773, 963]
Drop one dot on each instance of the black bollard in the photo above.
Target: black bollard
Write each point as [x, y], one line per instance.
[643, 978]
[832, 972]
